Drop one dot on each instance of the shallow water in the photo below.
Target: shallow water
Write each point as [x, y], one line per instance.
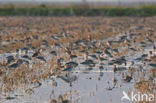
[88, 86]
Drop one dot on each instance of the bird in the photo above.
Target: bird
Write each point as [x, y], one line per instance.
[85, 55]
[88, 62]
[71, 57]
[26, 57]
[10, 59]
[67, 68]
[67, 51]
[106, 53]
[89, 38]
[53, 53]
[62, 100]
[114, 68]
[154, 48]
[100, 59]
[37, 53]
[72, 64]
[16, 64]
[69, 54]
[149, 54]
[41, 58]
[68, 78]
[128, 78]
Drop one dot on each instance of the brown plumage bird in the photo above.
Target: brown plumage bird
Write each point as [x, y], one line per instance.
[37, 53]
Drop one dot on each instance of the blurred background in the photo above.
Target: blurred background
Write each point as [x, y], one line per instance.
[89, 2]
[77, 7]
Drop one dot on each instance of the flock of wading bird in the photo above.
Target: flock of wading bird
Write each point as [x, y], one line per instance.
[50, 47]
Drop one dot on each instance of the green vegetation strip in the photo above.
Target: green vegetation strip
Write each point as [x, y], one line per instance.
[78, 11]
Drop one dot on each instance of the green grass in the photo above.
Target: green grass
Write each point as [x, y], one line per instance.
[78, 11]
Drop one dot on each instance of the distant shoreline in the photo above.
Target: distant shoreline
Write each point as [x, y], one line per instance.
[75, 10]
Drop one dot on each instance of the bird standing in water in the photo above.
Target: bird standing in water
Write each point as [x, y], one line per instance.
[114, 68]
